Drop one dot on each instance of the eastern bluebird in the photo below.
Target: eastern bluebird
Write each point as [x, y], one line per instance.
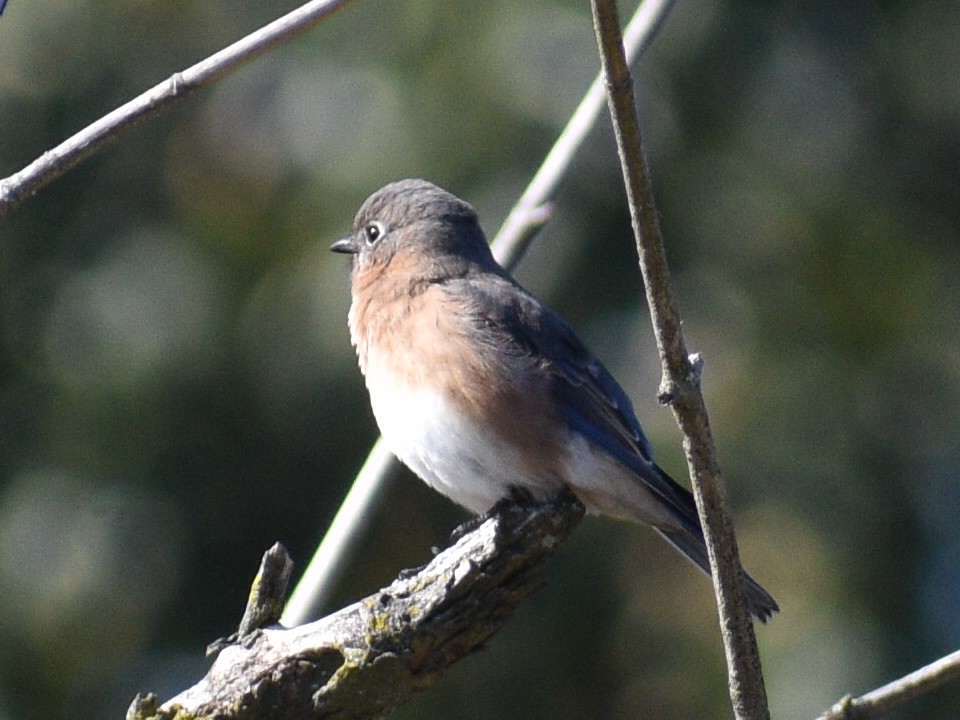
[482, 390]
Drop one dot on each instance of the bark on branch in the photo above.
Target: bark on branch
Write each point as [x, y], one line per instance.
[372, 656]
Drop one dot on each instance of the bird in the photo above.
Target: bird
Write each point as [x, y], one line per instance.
[486, 393]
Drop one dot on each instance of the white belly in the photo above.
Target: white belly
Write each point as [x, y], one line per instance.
[464, 460]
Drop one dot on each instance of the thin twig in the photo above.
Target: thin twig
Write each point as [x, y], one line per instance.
[899, 692]
[72, 151]
[527, 216]
[512, 239]
[681, 384]
[336, 548]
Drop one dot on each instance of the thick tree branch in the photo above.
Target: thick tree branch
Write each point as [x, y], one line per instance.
[72, 151]
[372, 656]
[899, 692]
[680, 387]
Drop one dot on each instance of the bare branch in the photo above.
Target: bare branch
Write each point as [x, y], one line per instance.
[71, 152]
[372, 656]
[512, 239]
[680, 387]
[346, 529]
[265, 601]
[899, 692]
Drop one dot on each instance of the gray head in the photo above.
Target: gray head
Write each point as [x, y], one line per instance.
[420, 223]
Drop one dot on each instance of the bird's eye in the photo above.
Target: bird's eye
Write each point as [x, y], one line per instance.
[373, 232]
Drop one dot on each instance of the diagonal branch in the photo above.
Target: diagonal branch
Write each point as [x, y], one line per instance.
[513, 237]
[372, 656]
[72, 151]
[680, 387]
[899, 692]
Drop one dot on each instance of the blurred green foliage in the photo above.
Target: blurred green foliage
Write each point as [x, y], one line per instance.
[177, 389]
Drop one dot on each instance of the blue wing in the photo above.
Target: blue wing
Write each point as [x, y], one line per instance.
[591, 401]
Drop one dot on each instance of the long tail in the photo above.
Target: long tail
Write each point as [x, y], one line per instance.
[760, 603]
[687, 537]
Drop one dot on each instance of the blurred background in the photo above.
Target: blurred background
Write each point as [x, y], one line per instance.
[178, 390]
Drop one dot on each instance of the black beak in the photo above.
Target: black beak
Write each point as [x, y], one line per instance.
[344, 245]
